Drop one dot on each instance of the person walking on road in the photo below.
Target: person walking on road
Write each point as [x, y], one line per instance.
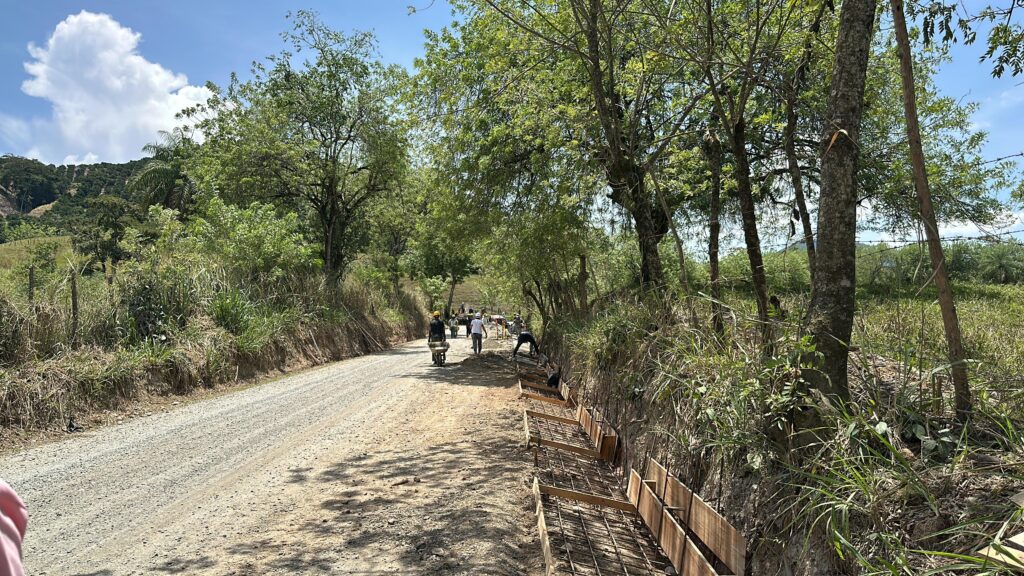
[526, 336]
[478, 330]
[437, 329]
[453, 325]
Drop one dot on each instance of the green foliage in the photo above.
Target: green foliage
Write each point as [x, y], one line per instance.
[30, 183]
[162, 179]
[26, 229]
[312, 131]
[255, 245]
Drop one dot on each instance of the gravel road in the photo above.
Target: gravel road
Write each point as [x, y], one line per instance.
[382, 464]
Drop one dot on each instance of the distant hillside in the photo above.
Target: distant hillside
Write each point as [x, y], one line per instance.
[27, 184]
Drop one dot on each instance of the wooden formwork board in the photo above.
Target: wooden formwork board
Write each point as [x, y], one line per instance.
[548, 396]
[1009, 553]
[539, 380]
[583, 539]
[568, 437]
[688, 529]
[602, 436]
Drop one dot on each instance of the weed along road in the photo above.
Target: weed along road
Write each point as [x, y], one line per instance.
[379, 464]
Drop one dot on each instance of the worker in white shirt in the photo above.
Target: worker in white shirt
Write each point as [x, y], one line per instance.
[478, 331]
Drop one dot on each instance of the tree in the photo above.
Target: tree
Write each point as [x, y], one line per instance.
[606, 99]
[162, 179]
[830, 315]
[99, 232]
[318, 136]
[734, 46]
[950, 320]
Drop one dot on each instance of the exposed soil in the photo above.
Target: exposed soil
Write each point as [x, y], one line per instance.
[378, 465]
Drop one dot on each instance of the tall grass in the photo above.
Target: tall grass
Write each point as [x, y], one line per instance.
[888, 485]
[197, 305]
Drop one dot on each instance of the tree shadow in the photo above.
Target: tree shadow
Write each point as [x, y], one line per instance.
[410, 508]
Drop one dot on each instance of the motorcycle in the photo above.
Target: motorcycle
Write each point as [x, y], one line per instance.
[438, 351]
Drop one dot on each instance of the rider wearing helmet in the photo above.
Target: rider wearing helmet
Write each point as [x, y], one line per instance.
[437, 329]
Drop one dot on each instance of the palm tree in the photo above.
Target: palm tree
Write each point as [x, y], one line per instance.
[1003, 263]
[162, 180]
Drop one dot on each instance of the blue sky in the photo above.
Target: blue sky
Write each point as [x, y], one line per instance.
[70, 114]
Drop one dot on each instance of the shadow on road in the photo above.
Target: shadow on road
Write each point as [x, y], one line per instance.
[449, 508]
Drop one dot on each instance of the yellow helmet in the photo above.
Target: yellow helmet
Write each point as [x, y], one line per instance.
[437, 314]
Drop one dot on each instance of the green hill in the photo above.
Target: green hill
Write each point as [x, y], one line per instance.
[27, 184]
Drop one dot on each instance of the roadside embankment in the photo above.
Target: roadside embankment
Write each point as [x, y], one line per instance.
[92, 384]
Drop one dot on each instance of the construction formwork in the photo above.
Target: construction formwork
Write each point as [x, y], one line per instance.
[582, 539]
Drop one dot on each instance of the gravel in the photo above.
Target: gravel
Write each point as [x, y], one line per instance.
[358, 465]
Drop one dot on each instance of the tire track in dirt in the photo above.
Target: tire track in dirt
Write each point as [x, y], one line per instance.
[381, 463]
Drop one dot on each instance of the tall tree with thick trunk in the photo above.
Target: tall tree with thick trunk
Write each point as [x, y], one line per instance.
[631, 98]
[830, 317]
[950, 321]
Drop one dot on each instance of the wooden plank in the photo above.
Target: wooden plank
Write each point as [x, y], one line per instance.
[526, 424]
[659, 475]
[609, 442]
[681, 551]
[539, 398]
[551, 417]
[569, 393]
[1009, 552]
[545, 542]
[595, 431]
[566, 447]
[587, 497]
[678, 496]
[650, 508]
[633, 488]
[541, 387]
[585, 421]
[715, 531]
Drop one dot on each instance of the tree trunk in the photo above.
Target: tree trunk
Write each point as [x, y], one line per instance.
[797, 178]
[830, 316]
[629, 190]
[581, 280]
[74, 308]
[328, 252]
[451, 293]
[950, 321]
[684, 280]
[713, 152]
[792, 96]
[745, 192]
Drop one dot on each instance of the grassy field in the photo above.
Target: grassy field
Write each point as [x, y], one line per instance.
[17, 252]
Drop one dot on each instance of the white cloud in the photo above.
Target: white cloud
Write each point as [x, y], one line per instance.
[108, 100]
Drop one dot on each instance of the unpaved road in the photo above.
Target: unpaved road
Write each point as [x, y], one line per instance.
[382, 464]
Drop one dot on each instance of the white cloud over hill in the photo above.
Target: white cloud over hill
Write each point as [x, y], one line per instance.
[108, 101]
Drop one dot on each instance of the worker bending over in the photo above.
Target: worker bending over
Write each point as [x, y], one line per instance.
[525, 335]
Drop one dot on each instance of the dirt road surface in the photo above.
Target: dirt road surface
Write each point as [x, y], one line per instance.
[382, 464]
